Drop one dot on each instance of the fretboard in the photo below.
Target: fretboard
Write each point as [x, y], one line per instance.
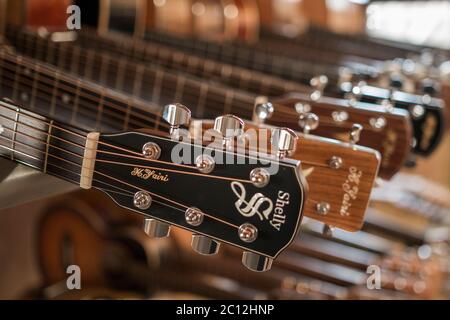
[68, 99]
[41, 143]
[147, 82]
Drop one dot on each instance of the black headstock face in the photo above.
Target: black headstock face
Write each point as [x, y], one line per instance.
[392, 138]
[226, 196]
[428, 119]
[427, 114]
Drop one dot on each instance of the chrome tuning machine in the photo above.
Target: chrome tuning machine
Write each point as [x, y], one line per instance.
[204, 245]
[307, 120]
[263, 110]
[318, 83]
[355, 133]
[176, 115]
[256, 262]
[156, 229]
[284, 141]
[230, 127]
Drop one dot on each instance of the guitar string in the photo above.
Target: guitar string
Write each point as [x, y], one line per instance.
[60, 78]
[101, 151]
[139, 154]
[49, 43]
[46, 135]
[164, 55]
[154, 69]
[108, 176]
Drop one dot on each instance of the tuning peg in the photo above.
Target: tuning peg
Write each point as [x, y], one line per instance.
[327, 230]
[204, 245]
[156, 229]
[345, 75]
[396, 80]
[256, 262]
[318, 83]
[355, 133]
[176, 115]
[308, 121]
[263, 110]
[284, 141]
[229, 126]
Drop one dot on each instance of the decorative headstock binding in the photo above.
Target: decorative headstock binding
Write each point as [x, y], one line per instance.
[340, 176]
[336, 117]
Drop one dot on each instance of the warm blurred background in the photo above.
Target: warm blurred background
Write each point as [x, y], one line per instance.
[407, 228]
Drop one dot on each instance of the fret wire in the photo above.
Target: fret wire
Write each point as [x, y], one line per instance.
[100, 109]
[89, 64]
[13, 139]
[34, 88]
[90, 94]
[157, 86]
[75, 59]
[16, 78]
[142, 124]
[204, 88]
[1, 71]
[120, 78]
[76, 101]
[47, 145]
[137, 85]
[179, 89]
[54, 93]
[103, 68]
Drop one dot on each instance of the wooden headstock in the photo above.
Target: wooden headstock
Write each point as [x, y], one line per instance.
[387, 131]
[340, 176]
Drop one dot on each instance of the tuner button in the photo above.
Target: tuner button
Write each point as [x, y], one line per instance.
[156, 229]
[204, 245]
[256, 262]
[355, 133]
[308, 122]
[318, 83]
[327, 230]
[176, 115]
[283, 140]
[229, 126]
[263, 111]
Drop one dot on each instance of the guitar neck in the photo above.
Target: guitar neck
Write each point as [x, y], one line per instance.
[149, 83]
[66, 98]
[41, 143]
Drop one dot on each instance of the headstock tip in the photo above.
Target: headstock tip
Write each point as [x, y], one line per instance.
[256, 262]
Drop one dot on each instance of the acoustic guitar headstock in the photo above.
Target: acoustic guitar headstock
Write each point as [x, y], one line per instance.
[340, 175]
[427, 114]
[218, 192]
[387, 130]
